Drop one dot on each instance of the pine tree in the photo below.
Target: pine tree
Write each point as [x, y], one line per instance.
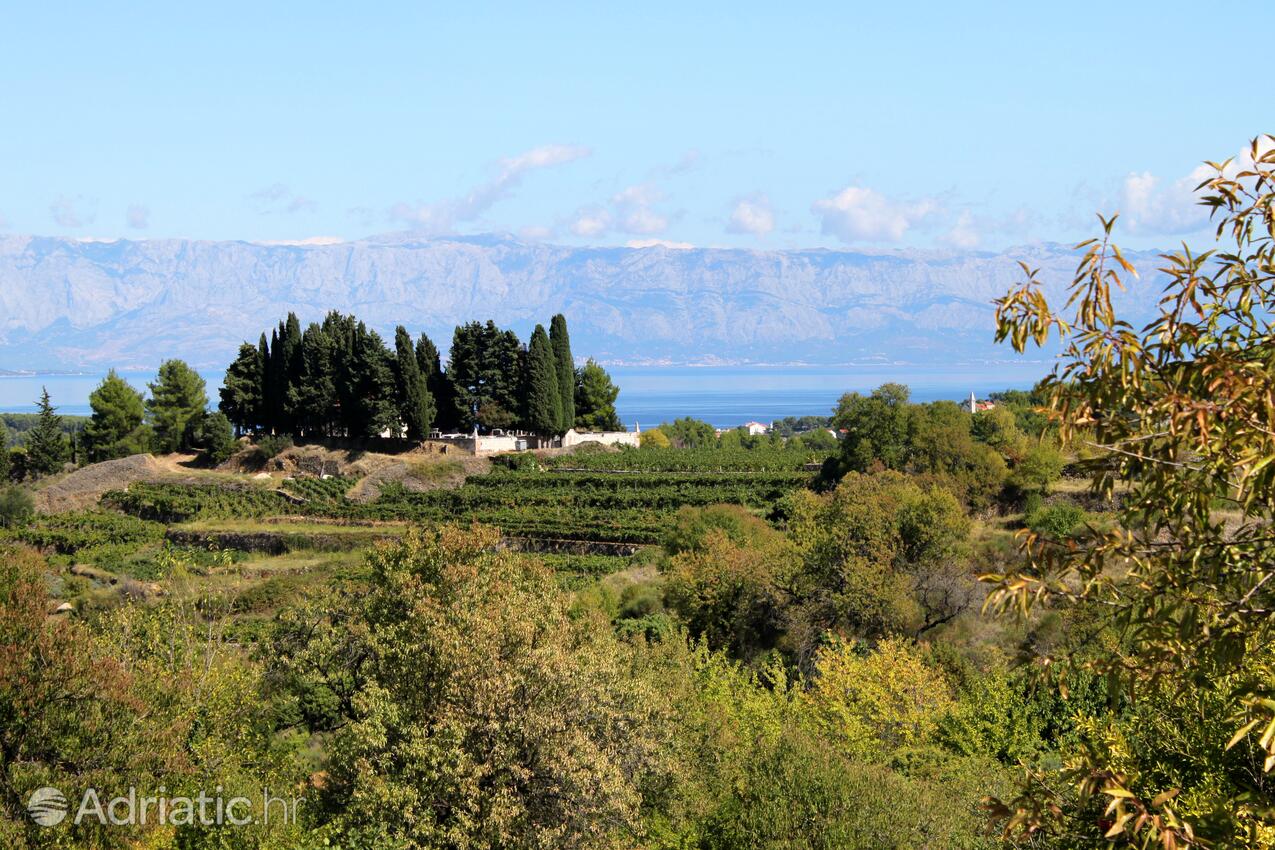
[544, 402]
[595, 396]
[115, 428]
[566, 370]
[47, 448]
[415, 404]
[177, 396]
[242, 391]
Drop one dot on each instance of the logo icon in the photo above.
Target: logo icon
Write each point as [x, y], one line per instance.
[47, 806]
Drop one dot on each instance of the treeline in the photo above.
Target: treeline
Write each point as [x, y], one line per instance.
[338, 378]
[124, 421]
[1005, 454]
[14, 427]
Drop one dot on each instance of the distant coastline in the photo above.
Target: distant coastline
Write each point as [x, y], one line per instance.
[724, 396]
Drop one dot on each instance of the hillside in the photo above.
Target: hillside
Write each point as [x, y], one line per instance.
[69, 303]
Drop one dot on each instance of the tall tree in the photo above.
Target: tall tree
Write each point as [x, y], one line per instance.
[415, 404]
[438, 382]
[374, 393]
[465, 373]
[177, 396]
[274, 384]
[566, 370]
[876, 427]
[312, 400]
[544, 401]
[47, 447]
[595, 396]
[291, 367]
[243, 391]
[502, 362]
[115, 428]
[486, 371]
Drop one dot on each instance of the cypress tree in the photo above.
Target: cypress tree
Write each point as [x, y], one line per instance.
[47, 448]
[544, 402]
[566, 370]
[438, 382]
[115, 428]
[313, 398]
[242, 393]
[275, 385]
[427, 358]
[372, 374]
[415, 404]
[263, 409]
[291, 369]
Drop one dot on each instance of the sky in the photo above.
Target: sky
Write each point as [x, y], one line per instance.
[754, 125]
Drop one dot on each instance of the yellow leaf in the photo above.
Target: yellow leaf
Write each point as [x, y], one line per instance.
[1244, 730]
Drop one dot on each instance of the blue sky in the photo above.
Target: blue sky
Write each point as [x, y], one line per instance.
[741, 124]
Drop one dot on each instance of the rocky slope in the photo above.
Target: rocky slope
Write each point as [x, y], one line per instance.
[67, 303]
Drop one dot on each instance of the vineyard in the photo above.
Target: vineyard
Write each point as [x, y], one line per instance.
[788, 458]
[621, 497]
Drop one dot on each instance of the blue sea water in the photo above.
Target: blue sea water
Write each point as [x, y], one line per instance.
[649, 395]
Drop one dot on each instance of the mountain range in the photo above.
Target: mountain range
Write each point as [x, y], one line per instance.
[70, 303]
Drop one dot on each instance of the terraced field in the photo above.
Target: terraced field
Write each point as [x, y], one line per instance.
[625, 497]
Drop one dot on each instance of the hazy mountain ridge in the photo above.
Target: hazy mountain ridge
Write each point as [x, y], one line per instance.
[68, 303]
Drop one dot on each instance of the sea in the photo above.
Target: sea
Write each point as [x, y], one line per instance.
[725, 396]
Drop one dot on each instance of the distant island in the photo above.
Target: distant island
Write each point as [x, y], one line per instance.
[129, 304]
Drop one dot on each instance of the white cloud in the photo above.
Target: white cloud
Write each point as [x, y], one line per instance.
[633, 213]
[964, 233]
[138, 217]
[857, 214]
[67, 212]
[593, 221]
[1150, 205]
[752, 215]
[443, 216]
[629, 211]
[278, 198]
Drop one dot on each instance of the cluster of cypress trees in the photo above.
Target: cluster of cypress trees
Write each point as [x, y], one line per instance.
[338, 378]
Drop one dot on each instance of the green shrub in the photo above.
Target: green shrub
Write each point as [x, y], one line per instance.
[271, 445]
[692, 525]
[16, 506]
[212, 434]
[1058, 520]
[517, 461]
